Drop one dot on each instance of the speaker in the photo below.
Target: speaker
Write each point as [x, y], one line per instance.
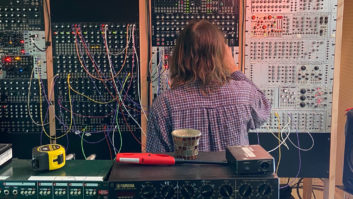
[348, 153]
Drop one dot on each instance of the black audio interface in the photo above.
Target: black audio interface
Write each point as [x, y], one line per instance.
[250, 160]
[78, 179]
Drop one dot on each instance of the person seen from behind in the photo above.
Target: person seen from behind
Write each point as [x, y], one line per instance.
[208, 93]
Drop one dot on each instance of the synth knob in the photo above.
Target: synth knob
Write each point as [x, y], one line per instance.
[245, 190]
[167, 192]
[226, 190]
[147, 192]
[206, 190]
[187, 191]
[264, 190]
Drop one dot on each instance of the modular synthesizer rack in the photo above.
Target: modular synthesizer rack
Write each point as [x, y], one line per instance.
[96, 68]
[289, 52]
[90, 103]
[289, 55]
[81, 63]
[22, 66]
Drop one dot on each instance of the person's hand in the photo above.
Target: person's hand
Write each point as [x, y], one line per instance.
[229, 60]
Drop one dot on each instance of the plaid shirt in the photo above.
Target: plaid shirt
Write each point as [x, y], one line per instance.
[224, 116]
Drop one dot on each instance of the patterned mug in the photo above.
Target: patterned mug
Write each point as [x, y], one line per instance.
[186, 143]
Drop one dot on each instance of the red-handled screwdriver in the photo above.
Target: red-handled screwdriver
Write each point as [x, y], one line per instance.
[157, 159]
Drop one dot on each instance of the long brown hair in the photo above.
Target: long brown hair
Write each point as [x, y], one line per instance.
[199, 57]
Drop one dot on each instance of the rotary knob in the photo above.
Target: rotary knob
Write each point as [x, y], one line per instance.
[264, 190]
[147, 191]
[245, 190]
[167, 191]
[206, 190]
[226, 190]
[187, 191]
[302, 104]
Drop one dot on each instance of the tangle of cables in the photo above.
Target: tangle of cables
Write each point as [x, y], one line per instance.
[96, 86]
[284, 138]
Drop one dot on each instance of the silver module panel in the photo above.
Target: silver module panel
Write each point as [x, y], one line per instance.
[289, 54]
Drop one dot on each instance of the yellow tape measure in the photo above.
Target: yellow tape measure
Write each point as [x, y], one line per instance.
[48, 157]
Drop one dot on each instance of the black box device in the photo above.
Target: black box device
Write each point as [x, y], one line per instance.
[250, 160]
[183, 181]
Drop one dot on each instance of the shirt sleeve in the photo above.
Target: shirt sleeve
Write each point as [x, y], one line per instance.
[158, 135]
[260, 107]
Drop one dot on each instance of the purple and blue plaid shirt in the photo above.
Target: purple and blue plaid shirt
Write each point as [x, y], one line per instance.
[224, 116]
